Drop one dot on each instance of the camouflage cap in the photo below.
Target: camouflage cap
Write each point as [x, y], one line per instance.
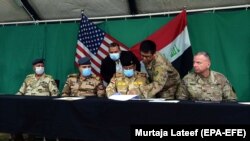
[84, 61]
[36, 61]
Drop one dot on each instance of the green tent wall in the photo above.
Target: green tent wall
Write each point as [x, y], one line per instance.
[224, 34]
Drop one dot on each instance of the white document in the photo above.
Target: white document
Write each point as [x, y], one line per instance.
[155, 99]
[123, 97]
[165, 101]
[246, 103]
[69, 98]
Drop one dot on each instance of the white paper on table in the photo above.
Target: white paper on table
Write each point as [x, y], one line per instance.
[69, 98]
[246, 103]
[155, 99]
[165, 101]
[121, 97]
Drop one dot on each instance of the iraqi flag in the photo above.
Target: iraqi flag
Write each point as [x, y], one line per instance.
[172, 40]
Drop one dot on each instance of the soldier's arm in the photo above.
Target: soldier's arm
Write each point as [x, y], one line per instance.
[66, 89]
[53, 89]
[111, 88]
[228, 93]
[160, 78]
[22, 89]
[182, 92]
[100, 89]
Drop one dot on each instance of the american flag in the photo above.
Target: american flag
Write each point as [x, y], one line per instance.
[92, 42]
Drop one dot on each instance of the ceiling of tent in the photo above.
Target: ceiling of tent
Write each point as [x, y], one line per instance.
[37, 10]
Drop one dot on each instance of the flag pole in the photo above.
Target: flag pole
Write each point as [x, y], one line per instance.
[127, 16]
[82, 11]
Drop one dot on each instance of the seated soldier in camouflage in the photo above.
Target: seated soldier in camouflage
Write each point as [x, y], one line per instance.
[129, 81]
[39, 83]
[83, 83]
[204, 84]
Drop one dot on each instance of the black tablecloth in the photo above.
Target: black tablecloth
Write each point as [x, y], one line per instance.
[103, 119]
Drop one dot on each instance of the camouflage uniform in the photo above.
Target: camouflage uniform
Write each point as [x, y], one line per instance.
[164, 78]
[214, 88]
[124, 85]
[43, 86]
[83, 86]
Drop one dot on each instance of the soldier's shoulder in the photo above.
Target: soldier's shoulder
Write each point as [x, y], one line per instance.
[30, 75]
[190, 75]
[96, 77]
[118, 74]
[141, 74]
[73, 75]
[48, 76]
[161, 58]
[217, 74]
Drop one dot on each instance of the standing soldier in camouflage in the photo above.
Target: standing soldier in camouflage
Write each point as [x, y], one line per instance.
[204, 84]
[163, 77]
[83, 83]
[129, 81]
[39, 83]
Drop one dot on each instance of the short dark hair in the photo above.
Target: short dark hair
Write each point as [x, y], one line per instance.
[114, 45]
[148, 46]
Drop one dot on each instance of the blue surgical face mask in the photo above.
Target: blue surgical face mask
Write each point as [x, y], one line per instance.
[114, 56]
[86, 72]
[128, 73]
[39, 70]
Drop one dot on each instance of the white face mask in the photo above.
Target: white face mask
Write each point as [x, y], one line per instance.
[114, 56]
[39, 70]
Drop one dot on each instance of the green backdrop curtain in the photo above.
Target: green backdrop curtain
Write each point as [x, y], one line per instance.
[224, 34]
